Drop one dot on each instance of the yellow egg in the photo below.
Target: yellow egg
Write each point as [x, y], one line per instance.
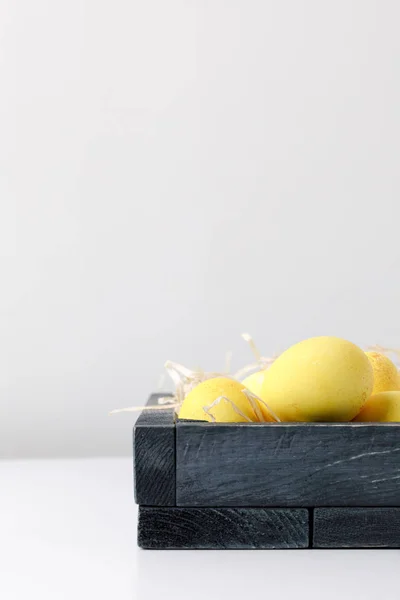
[206, 392]
[254, 383]
[386, 377]
[382, 407]
[319, 379]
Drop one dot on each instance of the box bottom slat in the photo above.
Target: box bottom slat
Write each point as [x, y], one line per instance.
[173, 528]
[356, 528]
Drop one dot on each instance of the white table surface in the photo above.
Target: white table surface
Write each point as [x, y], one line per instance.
[68, 531]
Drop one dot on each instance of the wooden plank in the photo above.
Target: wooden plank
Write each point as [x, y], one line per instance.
[288, 464]
[356, 528]
[222, 528]
[154, 456]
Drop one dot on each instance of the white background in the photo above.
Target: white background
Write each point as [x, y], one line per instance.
[173, 173]
[73, 539]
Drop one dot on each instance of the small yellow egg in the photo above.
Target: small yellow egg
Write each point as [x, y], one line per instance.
[206, 392]
[255, 383]
[386, 377]
[319, 379]
[381, 408]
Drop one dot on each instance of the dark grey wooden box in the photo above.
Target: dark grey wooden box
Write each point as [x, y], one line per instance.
[266, 485]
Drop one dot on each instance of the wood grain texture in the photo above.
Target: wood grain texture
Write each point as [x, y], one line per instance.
[222, 528]
[288, 465]
[154, 456]
[356, 528]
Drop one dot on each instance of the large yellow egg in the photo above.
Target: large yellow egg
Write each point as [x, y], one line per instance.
[386, 377]
[207, 392]
[382, 407]
[319, 379]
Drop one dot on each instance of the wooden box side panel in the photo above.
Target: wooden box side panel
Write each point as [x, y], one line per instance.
[154, 456]
[288, 465]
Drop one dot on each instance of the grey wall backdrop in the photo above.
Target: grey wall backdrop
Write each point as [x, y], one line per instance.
[175, 173]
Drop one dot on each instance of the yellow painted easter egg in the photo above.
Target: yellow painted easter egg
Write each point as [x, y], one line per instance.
[234, 406]
[382, 407]
[254, 383]
[319, 379]
[386, 377]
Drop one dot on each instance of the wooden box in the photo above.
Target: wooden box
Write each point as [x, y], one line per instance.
[266, 485]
